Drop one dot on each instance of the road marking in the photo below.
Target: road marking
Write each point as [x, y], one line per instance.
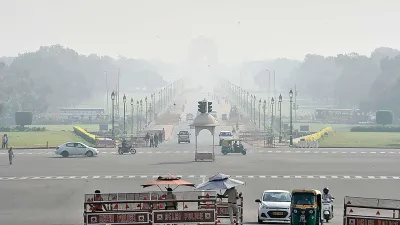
[112, 153]
[204, 177]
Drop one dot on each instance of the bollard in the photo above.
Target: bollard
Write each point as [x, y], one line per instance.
[47, 144]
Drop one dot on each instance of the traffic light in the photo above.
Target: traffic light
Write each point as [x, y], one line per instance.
[202, 107]
[209, 107]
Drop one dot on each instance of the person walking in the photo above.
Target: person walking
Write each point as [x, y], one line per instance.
[10, 155]
[146, 139]
[152, 141]
[160, 137]
[156, 140]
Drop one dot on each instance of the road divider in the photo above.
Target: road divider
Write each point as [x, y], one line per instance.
[311, 141]
[91, 138]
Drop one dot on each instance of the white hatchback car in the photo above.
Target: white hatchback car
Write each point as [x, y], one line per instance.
[75, 148]
[274, 206]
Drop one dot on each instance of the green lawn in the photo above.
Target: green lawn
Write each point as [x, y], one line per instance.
[88, 127]
[40, 139]
[362, 139]
[315, 127]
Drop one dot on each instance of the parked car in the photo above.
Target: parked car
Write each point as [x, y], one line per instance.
[76, 148]
[274, 206]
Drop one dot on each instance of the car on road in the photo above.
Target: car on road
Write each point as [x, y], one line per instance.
[75, 148]
[224, 135]
[183, 136]
[274, 206]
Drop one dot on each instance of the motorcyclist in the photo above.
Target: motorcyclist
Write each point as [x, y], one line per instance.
[326, 196]
[124, 143]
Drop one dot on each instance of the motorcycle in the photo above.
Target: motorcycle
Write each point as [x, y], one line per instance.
[327, 209]
[127, 149]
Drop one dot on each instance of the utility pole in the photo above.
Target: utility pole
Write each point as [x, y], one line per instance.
[295, 103]
[108, 109]
[118, 92]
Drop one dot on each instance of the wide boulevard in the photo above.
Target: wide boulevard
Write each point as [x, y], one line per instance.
[41, 188]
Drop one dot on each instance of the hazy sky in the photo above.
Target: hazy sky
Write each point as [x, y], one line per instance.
[163, 29]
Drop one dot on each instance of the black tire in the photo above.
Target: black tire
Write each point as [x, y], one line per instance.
[133, 151]
[89, 154]
[225, 152]
[220, 142]
[120, 151]
[327, 219]
[259, 221]
[179, 142]
[65, 154]
[244, 152]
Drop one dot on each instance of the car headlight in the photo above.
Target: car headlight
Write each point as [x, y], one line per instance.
[311, 211]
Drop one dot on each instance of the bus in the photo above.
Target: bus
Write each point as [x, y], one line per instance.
[340, 116]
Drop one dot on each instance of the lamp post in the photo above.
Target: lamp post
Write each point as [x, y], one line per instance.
[132, 115]
[259, 114]
[137, 116]
[124, 100]
[145, 100]
[251, 107]
[291, 119]
[247, 103]
[150, 112]
[264, 106]
[254, 109]
[141, 113]
[280, 118]
[272, 114]
[113, 111]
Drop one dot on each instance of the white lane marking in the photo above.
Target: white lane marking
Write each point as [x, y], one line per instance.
[96, 177]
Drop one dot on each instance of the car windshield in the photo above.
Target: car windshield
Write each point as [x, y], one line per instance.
[184, 132]
[225, 134]
[276, 197]
[303, 199]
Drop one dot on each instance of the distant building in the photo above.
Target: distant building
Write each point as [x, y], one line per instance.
[81, 113]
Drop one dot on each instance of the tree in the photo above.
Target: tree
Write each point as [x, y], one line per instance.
[384, 117]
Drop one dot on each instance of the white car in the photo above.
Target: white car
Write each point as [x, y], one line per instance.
[75, 148]
[224, 135]
[274, 206]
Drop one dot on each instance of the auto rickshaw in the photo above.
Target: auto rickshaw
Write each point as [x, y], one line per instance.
[232, 146]
[306, 207]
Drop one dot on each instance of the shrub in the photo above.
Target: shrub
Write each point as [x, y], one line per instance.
[375, 129]
[384, 117]
[23, 118]
[85, 135]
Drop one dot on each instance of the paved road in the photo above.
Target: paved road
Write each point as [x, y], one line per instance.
[43, 189]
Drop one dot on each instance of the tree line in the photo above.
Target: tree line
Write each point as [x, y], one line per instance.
[351, 80]
[55, 76]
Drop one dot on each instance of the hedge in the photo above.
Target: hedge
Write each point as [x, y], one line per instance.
[375, 129]
[91, 138]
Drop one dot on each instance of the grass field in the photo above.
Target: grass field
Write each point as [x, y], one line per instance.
[40, 139]
[88, 127]
[362, 139]
[315, 127]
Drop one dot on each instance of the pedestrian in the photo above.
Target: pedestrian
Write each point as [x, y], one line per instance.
[163, 134]
[151, 140]
[10, 155]
[233, 196]
[156, 140]
[6, 140]
[3, 141]
[160, 137]
[146, 139]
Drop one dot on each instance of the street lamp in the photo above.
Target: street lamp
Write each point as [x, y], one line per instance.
[247, 103]
[146, 109]
[259, 114]
[141, 113]
[112, 99]
[254, 109]
[137, 116]
[264, 106]
[272, 114]
[132, 115]
[124, 99]
[280, 118]
[150, 112]
[251, 107]
[291, 119]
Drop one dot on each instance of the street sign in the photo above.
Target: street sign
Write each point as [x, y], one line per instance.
[118, 218]
[184, 216]
[371, 221]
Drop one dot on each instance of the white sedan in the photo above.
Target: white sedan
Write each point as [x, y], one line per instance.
[274, 206]
[75, 148]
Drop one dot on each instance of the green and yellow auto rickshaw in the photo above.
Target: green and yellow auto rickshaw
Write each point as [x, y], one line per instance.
[232, 145]
[306, 207]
